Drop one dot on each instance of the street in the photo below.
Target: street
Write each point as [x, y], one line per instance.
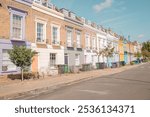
[133, 84]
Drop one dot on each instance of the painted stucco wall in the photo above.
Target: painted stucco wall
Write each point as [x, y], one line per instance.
[71, 57]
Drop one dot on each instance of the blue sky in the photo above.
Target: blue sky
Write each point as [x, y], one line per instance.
[126, 17]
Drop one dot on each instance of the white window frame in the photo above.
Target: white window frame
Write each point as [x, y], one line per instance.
[99, 43]
[53, 66]
[21, 14]
[44, 31]
[6, 59]
[87, 41]
[78, 39]
[94, 42]
[69, 44]
[77, 59]
[58, 34]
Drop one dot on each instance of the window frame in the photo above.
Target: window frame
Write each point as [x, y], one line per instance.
[87, 41]
[77, 60]
[23, 15]
[71, 43]
[93, 42]
[8, 62]
[44, 30]
[78, 42]
[53, 63]
[58, 34]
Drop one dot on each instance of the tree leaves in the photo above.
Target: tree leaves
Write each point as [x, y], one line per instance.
[146, 49]
[21, 56]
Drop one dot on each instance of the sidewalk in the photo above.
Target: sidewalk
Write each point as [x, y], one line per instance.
[11, 90]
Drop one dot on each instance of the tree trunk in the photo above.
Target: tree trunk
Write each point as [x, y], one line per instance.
[107, 62]
[22, 74]
[98, 58]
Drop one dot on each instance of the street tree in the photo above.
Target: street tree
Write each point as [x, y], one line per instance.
[146, 50]
[108, 52]
[21, 57]
[138, 55]
[99, 53]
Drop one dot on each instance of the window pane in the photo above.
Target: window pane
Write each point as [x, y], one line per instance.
[78, 39]
[16, 26]
[69, 37]
[40, 32]
[7, 65]
[55, 35]
[52, 60]
[77, 59]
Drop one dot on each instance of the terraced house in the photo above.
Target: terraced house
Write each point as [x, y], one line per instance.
[15, 30]
[72, 39]
[59, 36]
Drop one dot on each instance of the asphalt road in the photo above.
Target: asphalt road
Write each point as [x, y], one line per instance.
[133, 84]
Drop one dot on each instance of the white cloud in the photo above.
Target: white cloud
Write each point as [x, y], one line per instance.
[141, 36]
[103, 5]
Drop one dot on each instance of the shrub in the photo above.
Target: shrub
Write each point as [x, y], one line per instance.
[131, 63]
[26, 76]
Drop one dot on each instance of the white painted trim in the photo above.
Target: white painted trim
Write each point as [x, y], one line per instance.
[23, 2]
[97, 31]
[23, 15]
[88, 44]
[42, 22]
[58, 34]
[47, 11]
[101, 36]
[73, 22]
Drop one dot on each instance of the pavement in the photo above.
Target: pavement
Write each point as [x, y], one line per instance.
[18, 89]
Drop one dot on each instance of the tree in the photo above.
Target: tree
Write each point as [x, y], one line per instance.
[108, 51]
[99, 53]
[21, 57]
[146, 50]
[138, 55]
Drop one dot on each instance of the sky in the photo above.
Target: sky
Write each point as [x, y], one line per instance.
[125, 17]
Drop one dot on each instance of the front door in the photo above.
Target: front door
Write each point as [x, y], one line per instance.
[66, 59]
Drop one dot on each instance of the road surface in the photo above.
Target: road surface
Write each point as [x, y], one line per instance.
[133, 84]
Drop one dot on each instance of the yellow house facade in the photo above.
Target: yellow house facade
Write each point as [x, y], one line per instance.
[121, 49]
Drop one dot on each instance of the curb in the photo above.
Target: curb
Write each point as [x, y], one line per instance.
[38, 91]
[49, 89]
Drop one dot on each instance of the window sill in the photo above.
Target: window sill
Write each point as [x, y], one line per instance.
[22, 40]
[55, 44]
[53, 68]
[41, 43]
[9, 71]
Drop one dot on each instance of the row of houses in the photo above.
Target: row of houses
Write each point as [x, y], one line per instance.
[59, 37]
